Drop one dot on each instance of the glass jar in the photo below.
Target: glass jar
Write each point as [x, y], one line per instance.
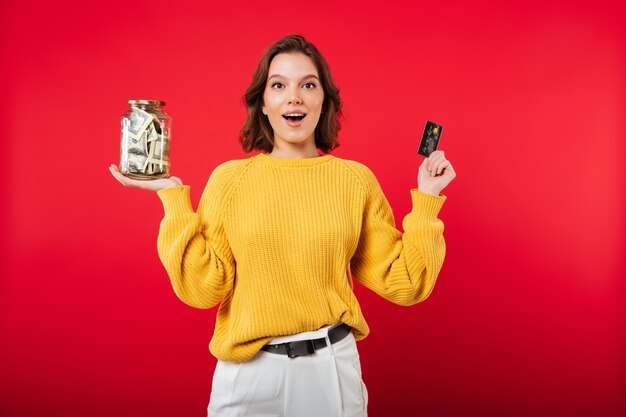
[145, 140]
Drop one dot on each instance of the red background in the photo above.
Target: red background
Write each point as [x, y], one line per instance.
[527, 317]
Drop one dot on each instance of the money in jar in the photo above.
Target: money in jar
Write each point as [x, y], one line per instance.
[145, 140]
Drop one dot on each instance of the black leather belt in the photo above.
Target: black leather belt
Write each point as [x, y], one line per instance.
[306, 347]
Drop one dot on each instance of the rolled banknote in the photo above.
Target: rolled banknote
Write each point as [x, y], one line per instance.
[139, 122]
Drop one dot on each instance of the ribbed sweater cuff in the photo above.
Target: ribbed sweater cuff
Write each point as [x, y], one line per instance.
[176, 200]
[426, 206]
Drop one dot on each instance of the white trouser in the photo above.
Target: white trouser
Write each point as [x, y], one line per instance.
[326, 383]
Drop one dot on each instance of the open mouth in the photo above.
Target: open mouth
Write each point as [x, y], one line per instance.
[293, 118]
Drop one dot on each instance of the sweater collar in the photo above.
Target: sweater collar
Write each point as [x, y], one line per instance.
[293, 163]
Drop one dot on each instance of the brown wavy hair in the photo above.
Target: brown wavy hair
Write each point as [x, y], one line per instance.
[257, 132]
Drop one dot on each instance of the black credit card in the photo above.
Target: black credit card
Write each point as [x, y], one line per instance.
[430, 138]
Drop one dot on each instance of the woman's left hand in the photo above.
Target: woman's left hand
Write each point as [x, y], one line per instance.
[435, 173]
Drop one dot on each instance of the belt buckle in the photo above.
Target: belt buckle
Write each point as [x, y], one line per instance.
[310, 348]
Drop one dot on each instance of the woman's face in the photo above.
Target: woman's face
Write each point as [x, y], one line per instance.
[293, 87]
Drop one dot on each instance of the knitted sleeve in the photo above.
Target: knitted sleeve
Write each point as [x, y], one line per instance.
[401, 267]
[193, 246]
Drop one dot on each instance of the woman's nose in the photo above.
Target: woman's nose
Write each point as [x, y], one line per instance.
[295, 97]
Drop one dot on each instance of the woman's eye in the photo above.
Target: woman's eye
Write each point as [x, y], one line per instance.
[276, 84]
[311, 84]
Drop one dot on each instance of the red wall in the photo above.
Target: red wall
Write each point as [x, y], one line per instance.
[527, 318]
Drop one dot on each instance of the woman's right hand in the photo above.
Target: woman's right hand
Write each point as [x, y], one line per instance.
[151, 185]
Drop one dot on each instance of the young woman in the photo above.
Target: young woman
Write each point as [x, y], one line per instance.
[278, 238]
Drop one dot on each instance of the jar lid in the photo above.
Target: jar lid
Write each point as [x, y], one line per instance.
[152, 103]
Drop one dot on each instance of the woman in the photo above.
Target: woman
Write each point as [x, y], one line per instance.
[278, 238]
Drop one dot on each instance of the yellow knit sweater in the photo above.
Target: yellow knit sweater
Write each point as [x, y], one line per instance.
[277, 242]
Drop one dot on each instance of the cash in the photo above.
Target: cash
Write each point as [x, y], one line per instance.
[139, 121]
[144, 147]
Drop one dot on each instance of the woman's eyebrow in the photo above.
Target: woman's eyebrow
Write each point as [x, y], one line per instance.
[303, 78]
